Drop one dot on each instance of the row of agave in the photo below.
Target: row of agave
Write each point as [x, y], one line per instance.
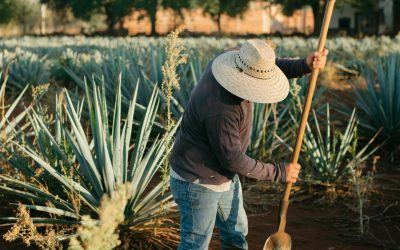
[67, 162]
[37, 60]
[326, 150]
[134, 64]
[53, 46]
[91, 59]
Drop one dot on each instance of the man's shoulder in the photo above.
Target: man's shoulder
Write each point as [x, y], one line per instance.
[211, 97]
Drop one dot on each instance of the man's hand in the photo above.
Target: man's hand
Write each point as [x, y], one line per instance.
[316, 60]
[292, 172]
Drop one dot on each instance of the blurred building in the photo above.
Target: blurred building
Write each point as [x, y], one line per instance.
[354, 21]
[260, 18]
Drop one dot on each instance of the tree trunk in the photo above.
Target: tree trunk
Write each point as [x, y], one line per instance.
[218, 20]
[110, 26]
[318, 12]
[110, 20]
[152, 12]
[153, 20]
[396, 17]
[121, 24]
[24, 29]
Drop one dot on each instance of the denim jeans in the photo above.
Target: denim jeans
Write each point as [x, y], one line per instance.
[201, 208]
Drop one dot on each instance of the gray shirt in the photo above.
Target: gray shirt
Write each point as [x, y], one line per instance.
[212, 140]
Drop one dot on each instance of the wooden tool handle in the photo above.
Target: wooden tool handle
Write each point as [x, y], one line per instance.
[310, 93]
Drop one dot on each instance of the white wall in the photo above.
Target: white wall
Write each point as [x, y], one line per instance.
[349, 12]
[338, 13]
[387, 6]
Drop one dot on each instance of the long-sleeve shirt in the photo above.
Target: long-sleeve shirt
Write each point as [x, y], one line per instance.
[212, 140]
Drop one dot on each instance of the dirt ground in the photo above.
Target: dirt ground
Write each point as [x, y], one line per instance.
[313, 224]
[310, 228]
[316, 226]
[302, 226]
[306, 232]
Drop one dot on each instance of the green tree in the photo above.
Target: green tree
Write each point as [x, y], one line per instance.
[218, 7]
[289, 6]
[151, 7]
[396, 17]
[5, 11]
[26, 14]
[114, 10]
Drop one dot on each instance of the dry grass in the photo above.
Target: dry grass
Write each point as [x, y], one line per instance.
[175, 56]
[102, 234]
[38, 90]
[150, 237]
[25, 229]
[334, 76]
[261, 195]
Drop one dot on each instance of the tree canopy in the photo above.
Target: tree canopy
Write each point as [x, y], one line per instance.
[115, 10]
[218, 7]
[289, 6]
[21, 12]
[151, 7]
[5, 11]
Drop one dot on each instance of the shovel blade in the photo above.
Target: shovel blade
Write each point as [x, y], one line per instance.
[278, 241]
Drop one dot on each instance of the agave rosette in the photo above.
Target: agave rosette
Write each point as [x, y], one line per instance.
[104, 158]
[7, 126]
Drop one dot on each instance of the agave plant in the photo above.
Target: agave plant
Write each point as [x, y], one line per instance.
[7, 111]
[379, 103]
[103, 158]
[334, 152]
[25, 68]
[137, 65]
[327, 157]
[273, 121]
[268, 122]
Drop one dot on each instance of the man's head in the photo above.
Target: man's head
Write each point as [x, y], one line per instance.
[251, 73]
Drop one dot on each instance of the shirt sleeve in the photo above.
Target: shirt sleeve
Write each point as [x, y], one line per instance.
[293, 68]
[224, 138]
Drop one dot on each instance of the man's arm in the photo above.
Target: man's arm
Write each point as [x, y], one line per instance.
[293, 68]
[223, 134]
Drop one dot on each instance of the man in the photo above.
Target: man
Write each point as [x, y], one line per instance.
[210, 147]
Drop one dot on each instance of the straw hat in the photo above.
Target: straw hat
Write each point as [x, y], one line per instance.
[251, 73]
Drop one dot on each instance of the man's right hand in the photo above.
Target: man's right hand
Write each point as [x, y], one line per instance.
[292, 172]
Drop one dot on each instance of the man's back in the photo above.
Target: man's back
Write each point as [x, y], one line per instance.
[193, 157]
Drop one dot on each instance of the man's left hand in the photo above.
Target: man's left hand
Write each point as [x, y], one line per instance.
[317, 60]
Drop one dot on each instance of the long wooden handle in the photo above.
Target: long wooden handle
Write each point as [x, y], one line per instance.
[307, 104]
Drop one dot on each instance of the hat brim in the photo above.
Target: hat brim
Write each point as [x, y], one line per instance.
[271, 90]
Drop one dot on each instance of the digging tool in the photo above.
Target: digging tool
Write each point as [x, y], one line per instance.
[281, 240]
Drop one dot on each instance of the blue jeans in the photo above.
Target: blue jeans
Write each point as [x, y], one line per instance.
[201, 208]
